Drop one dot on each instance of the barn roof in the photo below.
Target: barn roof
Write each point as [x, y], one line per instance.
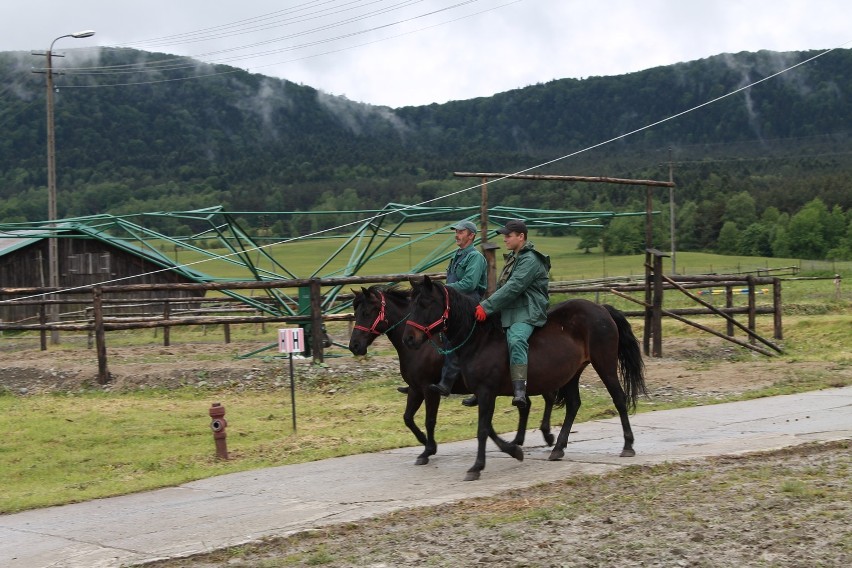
[14, 240]
[11, 241]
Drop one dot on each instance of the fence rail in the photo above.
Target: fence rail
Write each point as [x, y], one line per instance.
[96, 319]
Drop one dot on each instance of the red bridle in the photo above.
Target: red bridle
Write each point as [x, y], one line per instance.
[379, 319]
[442, 321]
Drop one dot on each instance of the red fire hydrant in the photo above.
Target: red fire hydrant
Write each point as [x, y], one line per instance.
[218, 425]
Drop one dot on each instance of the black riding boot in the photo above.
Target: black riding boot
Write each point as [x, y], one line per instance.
[519, 385]
[445, 386]
[448, 379]
[471, 401]
[449, 375]
[403, 390]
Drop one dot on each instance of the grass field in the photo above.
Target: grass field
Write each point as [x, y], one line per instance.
[304, 257]
[79, 445]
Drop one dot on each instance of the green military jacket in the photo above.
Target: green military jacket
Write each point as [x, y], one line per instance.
[521, 294]
[468, 273]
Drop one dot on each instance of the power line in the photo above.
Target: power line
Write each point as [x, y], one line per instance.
[312, 56]
[164, 62]
[179, 63]
[180, 38]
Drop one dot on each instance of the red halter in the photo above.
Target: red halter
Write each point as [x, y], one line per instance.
[442, 321]
[379, 319]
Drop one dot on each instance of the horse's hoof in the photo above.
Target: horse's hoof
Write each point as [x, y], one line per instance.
[421, 460]
[516, 452]
[472, 476]
[628, 453]
[549, 439]
[556, 455]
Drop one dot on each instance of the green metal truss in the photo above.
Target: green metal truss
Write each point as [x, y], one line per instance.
[369, 240]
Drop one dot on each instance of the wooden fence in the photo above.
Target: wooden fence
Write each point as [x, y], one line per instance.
[96, 320]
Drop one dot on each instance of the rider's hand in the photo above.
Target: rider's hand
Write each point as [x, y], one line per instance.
[479, 313]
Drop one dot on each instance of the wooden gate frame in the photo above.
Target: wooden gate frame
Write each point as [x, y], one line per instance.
[654, 310]
[653, 266]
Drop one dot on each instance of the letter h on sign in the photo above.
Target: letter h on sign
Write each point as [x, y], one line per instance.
[291, 340]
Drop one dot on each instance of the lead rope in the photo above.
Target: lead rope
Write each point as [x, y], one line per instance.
[403, 320]
[443, 351]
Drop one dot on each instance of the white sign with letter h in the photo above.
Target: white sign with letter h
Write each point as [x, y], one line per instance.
[291, 340]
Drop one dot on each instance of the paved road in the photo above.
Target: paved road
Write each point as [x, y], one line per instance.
[242, 507]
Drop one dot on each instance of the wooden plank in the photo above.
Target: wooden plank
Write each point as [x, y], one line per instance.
[549, 177]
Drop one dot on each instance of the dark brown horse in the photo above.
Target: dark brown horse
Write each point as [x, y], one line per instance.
[384, 310]
[577, 332]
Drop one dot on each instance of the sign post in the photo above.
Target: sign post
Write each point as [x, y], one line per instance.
[291, 340]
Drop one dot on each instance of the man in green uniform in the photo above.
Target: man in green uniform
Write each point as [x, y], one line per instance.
[521, 298]
[467, 273]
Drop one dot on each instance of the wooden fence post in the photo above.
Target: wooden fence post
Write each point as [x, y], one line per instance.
[647, 330]
[776, 305]
[729, 303]
[657, 310]
[42, 320]
[489, 250]
[654, 302]
[100, 335]
[752, 319]
[167, 312]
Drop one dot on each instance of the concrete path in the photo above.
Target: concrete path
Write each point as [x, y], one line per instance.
[238, 508]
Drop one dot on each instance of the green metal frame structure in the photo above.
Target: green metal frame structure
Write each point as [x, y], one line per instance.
[367, 241]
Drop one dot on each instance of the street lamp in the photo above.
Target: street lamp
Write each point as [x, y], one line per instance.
[52, 252]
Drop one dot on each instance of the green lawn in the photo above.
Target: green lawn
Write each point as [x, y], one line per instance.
[62, 448]
[303, 257]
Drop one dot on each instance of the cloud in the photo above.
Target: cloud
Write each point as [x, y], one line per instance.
[269, 97]
[359, 118]
[477, 49]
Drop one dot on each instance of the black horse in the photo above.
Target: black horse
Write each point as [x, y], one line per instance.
[384, 310]
[577, 332]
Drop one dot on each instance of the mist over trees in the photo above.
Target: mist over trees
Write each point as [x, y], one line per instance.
[766, 171]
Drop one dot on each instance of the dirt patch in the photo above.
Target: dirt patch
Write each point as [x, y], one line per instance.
[703, 368]
[788, 508]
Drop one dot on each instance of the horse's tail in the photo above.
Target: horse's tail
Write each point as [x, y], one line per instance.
[630, 364]
[561, 397]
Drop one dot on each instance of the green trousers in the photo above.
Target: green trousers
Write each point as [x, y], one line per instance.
[517, 336]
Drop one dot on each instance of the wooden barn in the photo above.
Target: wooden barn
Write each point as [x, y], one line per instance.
[86, 256]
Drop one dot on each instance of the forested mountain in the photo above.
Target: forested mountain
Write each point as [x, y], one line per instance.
[223, 136]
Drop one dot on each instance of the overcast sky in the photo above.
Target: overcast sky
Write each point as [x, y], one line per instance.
[409, 52]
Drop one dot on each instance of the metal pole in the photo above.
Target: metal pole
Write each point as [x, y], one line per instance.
[672, 223]
[52, 245]
[649, 315]
[292, 393]
[483, 211]
[487, 248]
[672, 211]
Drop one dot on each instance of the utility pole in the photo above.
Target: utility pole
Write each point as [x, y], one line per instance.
[52, 244]
[672, 210]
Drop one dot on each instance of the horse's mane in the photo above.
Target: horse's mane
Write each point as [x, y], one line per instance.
[463, 307]
[393, 290]
[399, 293]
